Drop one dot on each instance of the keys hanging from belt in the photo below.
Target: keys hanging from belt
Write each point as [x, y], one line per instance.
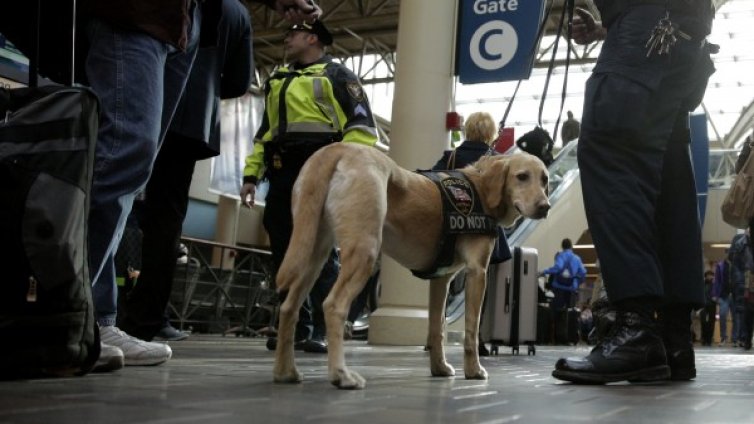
[664, 36]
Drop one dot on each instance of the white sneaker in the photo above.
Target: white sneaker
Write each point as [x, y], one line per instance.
[110, 359]
[135, 351]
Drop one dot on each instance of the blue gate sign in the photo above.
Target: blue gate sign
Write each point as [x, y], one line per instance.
[496, 39]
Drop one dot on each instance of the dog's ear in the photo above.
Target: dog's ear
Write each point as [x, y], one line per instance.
[494, 176]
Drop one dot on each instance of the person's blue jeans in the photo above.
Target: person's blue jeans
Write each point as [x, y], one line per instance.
[138, 80]
[724, 309]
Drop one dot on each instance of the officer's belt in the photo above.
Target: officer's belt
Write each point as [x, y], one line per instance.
[462, 213]
[698, 30]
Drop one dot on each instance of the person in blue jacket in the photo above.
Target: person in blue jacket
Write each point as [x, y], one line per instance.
[568, 273]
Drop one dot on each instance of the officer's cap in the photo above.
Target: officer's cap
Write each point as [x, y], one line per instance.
[317, 28]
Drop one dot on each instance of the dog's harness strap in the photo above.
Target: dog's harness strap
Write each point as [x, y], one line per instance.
[462, 213]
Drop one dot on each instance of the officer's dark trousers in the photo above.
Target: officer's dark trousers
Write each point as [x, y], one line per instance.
[636, 171]
[164, 210]
[279, 225]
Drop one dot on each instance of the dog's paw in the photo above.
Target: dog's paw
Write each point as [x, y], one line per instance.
[479, 374]
[292, 376]
[443, 369]
[348, 380]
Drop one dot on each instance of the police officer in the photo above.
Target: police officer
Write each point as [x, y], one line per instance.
[309, 104]
[638, 184]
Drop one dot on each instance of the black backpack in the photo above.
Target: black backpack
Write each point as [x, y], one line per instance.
[47, 144]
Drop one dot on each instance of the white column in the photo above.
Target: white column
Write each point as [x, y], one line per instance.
[423, 85]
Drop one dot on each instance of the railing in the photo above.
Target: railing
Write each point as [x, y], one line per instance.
[230, 297]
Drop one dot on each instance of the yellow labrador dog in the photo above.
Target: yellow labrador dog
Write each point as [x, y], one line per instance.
[360, 199]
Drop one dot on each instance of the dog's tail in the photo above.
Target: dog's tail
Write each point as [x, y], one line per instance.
[309, 196]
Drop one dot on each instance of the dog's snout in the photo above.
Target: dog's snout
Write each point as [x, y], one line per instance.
[542, 209]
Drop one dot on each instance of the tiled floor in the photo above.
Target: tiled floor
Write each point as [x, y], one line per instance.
[212, 379]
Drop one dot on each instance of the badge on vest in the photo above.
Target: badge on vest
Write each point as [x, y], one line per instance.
[466, 215]
[459, 193]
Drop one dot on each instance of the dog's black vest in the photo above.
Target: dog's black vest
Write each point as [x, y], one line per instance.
[462, 213]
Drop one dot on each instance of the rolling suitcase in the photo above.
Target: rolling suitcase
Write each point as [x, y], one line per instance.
[47, 140]
[509, 315]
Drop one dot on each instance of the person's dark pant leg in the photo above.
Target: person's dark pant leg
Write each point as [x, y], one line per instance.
[748, 327]
[678, 224]
[278, 222]
[738, 308]
[562, 299]
[161, 222]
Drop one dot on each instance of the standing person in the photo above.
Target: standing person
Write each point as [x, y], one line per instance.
[570, 130]
[742, 298]
[221, 70]
[721, 292]
[747, 317]
[568, 273]
[638, 185]
[707, 314]
[309, 104]
[139, 58]
[481, 132]
[739, 256]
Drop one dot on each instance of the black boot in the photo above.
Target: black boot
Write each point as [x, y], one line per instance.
[632, 351]
[675, 325]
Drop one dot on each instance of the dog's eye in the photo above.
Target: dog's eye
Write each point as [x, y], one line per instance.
[523, 177]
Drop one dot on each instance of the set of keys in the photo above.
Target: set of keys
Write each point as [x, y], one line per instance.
[664, 36]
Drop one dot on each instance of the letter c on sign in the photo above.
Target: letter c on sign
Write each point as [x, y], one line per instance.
[493, 45]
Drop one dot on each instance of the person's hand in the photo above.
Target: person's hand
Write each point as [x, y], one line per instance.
[297, 11]
[248, 190]
[585, 29]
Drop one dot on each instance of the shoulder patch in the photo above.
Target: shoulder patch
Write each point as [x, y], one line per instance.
[355, 90]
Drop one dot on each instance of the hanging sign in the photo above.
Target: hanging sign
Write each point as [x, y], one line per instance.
[496, 39]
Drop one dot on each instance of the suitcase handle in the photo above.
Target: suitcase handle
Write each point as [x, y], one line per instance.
[507, 306]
